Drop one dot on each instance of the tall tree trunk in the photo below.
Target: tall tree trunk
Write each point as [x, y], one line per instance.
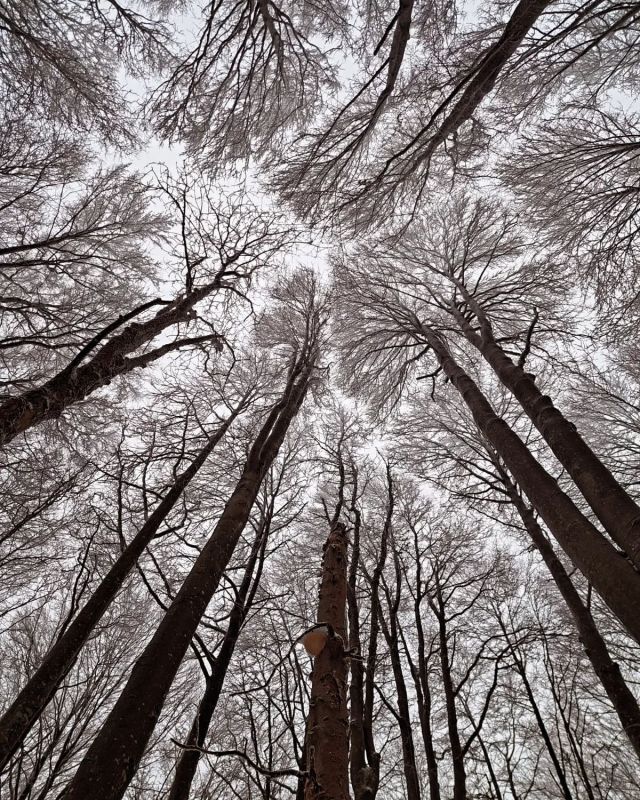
[614, 507]
[364, 766]
[328, 721]
[390, 631]
[113, 758]
[613, 577]
[562, 778]
[29, 704]
[189, 758]
[607, 670]
[457, 754]
[77, 379]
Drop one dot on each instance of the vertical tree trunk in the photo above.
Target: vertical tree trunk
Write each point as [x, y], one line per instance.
[457, 754]
[113, 758]
[328, 721]
[611, 574]
[614, 507]
[364, 766]
[29, 704]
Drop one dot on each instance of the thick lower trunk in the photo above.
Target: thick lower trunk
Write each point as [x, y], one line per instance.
[77, 381]
[328, 720]
[614, 507]
[21, 715]
[613, 577]
[113, 758]
[621, 697]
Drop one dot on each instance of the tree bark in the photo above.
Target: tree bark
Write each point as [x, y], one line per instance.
[607, 670]
[189, 758]
[77, 380]
[328, 721]
[613, 577]
[613, 506]
[113, 758]
[29, 704]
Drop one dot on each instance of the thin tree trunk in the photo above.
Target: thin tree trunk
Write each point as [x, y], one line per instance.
[607, 670]
[615, 508]
[113, 758]
[364, 766]
[562, 778]
[77, 379]
[29, 704]
[328, 721]
[189, 758]
[457, 754]
[613, 577]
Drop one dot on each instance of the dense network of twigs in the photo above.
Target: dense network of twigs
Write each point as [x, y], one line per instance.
[318, 323]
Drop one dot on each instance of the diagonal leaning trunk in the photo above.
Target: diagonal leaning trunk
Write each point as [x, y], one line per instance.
[613, 577]
[595, 647]
[29, 704]
[113, 758]
[78, 380]
[328, 721]
[190, 756]
[614, 507]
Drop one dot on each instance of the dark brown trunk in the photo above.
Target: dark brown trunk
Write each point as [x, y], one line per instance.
[328, 721]
[457, 754]
[616, 510]
[610, 573]
[78, 379]
[188, 761]
[363, 766]
[113, 758]
[21, 715]
[607, 670]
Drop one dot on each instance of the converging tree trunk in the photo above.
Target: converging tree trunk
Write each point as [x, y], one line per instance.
[614, 507]
[611, 574]
[327, 739]
[81, 377]
[190, 756]
[23, 712]
[113, 758]
[607, 670]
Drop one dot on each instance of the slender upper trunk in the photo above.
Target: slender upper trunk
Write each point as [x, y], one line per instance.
[562, 778]
[614, 507]
[364, 767]
[613, 577]
[21, 715]
[607, 670]
[390, 630]
[113, 758]
[189, 758]
[457, 754]
[77, 379]
[328, 721]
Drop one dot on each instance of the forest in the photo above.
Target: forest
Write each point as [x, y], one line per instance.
[320, 399]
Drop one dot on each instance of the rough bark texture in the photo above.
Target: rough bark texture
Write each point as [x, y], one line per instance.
[113, 758]
[613, 577]
[21, 715]
[616, 510]
[328, 721]
[78, 379]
